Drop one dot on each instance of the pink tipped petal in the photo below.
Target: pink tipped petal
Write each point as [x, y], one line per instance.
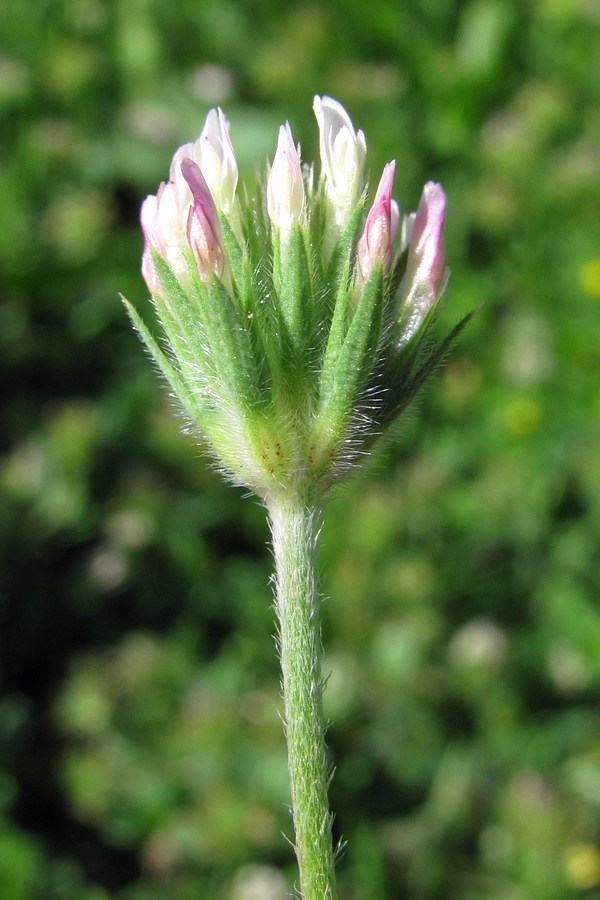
[164, 232]
[203, 227]
[148, 217]
[427, 240]
[375, 244]
[426, 272]
[183, 214]
[386, 183]
[149, 270]
[199, 188]
[205, 247]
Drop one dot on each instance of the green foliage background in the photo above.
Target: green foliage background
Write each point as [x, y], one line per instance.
[141, 753]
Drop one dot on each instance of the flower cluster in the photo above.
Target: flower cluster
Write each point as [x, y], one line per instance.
[297, 321]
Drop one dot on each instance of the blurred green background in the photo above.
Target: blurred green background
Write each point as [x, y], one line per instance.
[141, 752]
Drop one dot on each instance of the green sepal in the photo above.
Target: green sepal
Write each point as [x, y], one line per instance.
[233, 251]
[339, 272]
[260, 321]
[344, 250]
[337, 333]
[345, 371]
[169, 282]
[342, 384]
[394, 278]
[295, 300]
[233, 365]
[256, 229]
[184, 328]
[413, 363]
[184, 325]
[207, 333]
[170, 372]
[315, 237]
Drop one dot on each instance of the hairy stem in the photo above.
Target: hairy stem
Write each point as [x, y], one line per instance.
[294, 527]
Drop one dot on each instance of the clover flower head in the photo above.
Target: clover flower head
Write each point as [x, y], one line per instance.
[297, 325]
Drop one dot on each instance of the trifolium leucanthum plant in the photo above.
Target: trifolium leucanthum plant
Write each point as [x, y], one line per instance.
[296, 324]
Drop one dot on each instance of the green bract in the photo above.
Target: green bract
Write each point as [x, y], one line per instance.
[290, 351]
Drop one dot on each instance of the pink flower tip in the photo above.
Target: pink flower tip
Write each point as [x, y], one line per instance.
[376, 242]
[203, 226]
[427, 255]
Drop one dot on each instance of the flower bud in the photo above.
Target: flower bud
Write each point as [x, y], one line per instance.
[426, 272]
[343, 154]
[217, 160]
[164, 221]
[376, 242]
[285, 188]
[182, 216]
[213, 153]
[203, 227]
[427, 255]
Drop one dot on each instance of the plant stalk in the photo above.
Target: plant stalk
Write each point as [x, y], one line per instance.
[294, 520]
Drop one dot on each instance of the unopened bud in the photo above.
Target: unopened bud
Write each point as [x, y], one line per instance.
[426, 272]
[376, 242]
[203, 227]
[343, 153]
[285, 188]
